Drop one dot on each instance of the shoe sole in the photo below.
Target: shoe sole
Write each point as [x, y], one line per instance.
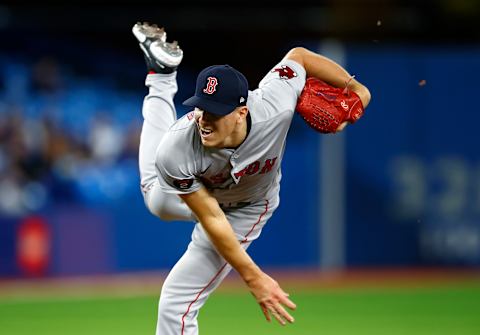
[140, 34]
[172, 59]
[154, 47]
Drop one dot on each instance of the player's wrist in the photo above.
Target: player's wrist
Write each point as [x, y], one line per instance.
[251, 274]
[364, 96]
[362, 92]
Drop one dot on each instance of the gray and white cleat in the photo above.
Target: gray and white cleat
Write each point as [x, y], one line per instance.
[160, 56]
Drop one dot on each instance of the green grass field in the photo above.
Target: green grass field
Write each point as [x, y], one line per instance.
[442, 309]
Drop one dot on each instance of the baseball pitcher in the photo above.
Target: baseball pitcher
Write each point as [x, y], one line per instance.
[219, 165]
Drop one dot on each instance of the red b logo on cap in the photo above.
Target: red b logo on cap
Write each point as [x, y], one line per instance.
[211, 85]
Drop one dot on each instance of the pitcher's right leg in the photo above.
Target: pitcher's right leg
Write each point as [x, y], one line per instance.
[159, 114]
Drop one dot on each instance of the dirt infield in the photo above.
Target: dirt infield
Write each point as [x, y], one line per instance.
[149, 283]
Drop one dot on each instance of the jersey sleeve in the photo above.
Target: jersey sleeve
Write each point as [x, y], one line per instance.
[283, 85]
[176, 167]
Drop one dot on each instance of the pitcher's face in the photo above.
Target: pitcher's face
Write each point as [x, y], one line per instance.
[219, 131]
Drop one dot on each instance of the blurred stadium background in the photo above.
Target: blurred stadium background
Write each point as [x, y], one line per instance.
[379, 227]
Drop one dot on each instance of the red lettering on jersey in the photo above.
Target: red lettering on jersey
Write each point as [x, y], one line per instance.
[190, 116]
[211, 85]
[285, 72]
[253, 168]
[269, 163]
[240, 173]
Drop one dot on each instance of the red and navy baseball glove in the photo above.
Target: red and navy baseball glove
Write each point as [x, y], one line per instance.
[325, 107]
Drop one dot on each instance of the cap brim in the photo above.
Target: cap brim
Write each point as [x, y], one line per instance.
[209, 106]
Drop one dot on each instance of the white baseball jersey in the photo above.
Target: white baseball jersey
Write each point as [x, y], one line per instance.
[248, 173]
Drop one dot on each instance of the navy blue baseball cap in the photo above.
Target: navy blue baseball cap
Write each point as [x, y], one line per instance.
[220, 89]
